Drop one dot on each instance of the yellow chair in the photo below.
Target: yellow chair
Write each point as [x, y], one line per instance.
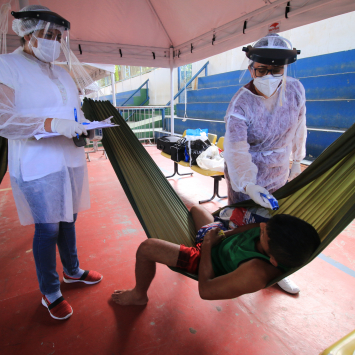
[216, 175]
[212, 138]
[220, 143]
[344, 346]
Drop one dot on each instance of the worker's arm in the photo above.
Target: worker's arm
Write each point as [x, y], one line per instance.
[249, 277]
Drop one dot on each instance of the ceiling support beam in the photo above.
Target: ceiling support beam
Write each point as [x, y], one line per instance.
[159, 20]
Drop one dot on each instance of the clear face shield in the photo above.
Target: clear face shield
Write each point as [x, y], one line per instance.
[269, 61]
[44, 32]
[47, 37]
[46, 41]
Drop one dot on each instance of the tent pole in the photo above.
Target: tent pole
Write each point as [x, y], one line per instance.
[113, 89]
[172, 90]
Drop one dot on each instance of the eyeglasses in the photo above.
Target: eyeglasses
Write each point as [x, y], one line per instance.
[277, 71]
[53, 36]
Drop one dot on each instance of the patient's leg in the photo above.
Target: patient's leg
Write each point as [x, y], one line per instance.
[201, 216]
[149, 252]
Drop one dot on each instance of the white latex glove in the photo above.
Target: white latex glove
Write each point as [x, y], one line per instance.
[67, 128]
[254, 192]
[295, 170]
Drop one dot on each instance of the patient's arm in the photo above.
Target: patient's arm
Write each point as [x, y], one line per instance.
[251, 276]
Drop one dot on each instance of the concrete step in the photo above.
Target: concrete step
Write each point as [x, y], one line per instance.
[121, 97]
[331, 114]
[327, 87]
[327, 64]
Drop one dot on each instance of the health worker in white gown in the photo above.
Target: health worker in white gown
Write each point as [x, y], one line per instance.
[49, 176]
[265, 127]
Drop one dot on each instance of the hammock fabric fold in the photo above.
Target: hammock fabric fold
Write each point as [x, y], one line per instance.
[323, 195]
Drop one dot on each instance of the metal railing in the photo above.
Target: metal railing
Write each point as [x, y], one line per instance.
[144, 120]
[204, 67]
[147, 95]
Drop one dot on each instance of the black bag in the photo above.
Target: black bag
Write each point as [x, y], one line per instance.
[197, 147]
[178, 150]
[166, 142]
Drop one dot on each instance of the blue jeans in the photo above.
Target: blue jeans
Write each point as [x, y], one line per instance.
[47, 236]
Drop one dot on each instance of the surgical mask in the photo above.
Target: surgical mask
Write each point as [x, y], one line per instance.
[47, 50]
[267, 84]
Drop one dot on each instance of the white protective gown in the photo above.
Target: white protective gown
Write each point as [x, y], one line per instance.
[261, 137]
[48, 176]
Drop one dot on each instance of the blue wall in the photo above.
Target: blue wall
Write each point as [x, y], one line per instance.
[329, 81]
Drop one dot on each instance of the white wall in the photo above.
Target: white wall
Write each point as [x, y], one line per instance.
[159, 85]
[328, 36]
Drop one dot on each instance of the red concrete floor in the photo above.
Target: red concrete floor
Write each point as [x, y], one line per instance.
[175, 321]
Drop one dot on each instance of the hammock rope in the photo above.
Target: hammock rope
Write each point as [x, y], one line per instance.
[323, 195]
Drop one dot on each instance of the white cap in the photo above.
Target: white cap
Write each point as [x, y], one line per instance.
[24, 26]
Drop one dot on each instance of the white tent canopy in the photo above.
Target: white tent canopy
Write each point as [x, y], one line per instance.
[141, 32]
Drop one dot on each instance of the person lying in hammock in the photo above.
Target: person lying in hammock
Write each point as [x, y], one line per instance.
[229, 264]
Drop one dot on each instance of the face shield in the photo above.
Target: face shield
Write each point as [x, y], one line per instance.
[47, 32]
[274, 54]
[49, 41]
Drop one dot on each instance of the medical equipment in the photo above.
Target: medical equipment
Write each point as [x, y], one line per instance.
[272, 200]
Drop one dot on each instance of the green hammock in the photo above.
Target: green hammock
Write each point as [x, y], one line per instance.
[323, 195]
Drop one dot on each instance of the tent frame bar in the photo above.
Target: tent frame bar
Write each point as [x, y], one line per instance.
[159, 20]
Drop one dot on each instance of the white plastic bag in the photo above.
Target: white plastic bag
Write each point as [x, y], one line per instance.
[210, 159]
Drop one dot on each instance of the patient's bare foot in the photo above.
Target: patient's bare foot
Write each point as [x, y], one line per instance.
[129, 297]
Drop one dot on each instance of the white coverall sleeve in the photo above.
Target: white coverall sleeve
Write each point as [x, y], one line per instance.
[13, 125]
[299, 140]
[241, 169]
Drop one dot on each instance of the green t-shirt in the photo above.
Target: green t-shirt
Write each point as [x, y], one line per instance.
[236, 249]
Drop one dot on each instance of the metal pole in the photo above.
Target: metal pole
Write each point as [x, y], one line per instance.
[113, 89]
[172, 90]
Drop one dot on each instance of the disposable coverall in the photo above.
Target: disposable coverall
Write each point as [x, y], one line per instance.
[48, 176]
[261, 134]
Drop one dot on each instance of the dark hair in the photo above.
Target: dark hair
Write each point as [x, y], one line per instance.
[292, 240]
[22, 41]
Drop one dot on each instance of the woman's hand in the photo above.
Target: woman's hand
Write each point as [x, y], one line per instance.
[214, 237]
[47, 125]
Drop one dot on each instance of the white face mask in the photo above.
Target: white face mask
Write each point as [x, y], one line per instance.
[47, 50]
[267, 84]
